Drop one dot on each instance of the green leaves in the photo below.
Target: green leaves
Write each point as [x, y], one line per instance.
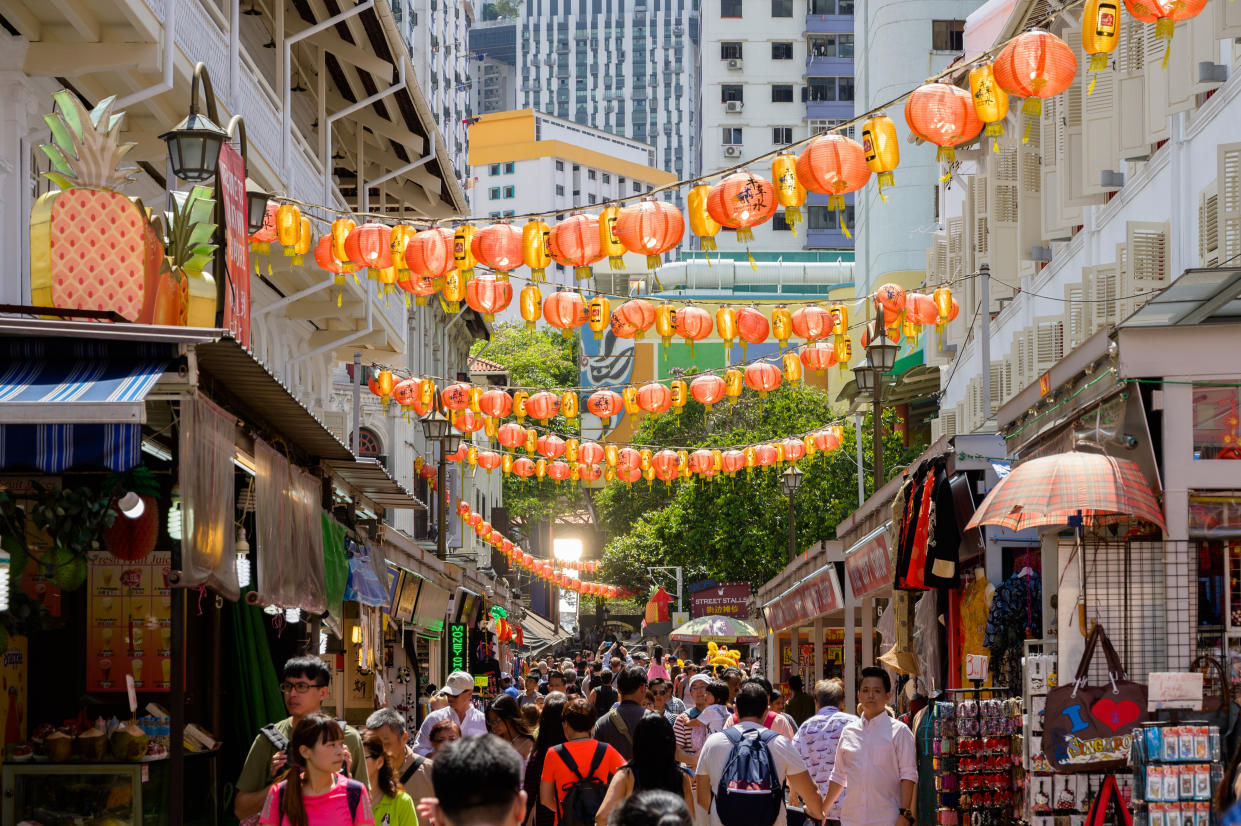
[188, 238]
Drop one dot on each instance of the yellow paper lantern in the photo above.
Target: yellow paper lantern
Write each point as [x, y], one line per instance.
[608, 242]
[734, 381]
[506, 464]
[1100, 34]
[530, 300]
[570, 445]
[790, 194]
[540, 469]
[519, 404]
[532, 440]
[990, 102]
[535, 249]
[462, 254]
[454, 290]
[341, 228]
[473, 396]
[666, 323]
[726, 325]
[782, 325]
[630, 397]
[792, 367]
[288, 226]
[700, 221]
[568, 404]
[599, 315]
[882, 150]
[610, 454]
[679, 391]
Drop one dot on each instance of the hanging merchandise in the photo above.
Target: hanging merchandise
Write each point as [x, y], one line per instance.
[536, 249]
[1100, 34]
[882, 150]
[701, 223]
[834, 165]
[790, 193]
[742, 201]
[650, 228]
[990, 102]
[1016, 616]
[609, 244]
[574, 242]
[1176, 770]
[974, 747]
[944, 115]
[1035, 65]
[1165, 14]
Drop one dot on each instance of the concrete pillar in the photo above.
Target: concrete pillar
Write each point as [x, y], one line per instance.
[773, 662]
[868, 631]
[819, 667]
[20, 106]
[850, 623]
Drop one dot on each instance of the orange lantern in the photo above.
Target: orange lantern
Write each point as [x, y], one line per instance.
[627, 457]
[701, 223]
[921, 309]
[733, 384]
[1036, 65]
[790, 193]
[416, 285]
[599, 315]
[666, 323]
[495, 403]
[782, 325]
[467, 421]
[523, 467]
[405, 392]
[818, 356]
[511, 435]
[944, 115]
[498, 246]
[488, 295]
[590, 453]
[733, 461]
[763, 376]
[742, 201]
[752, 327]
[489, 460]
[891, 297]
[370, 245]
[654, 398]
[1165, 14]
[574, 242]
[702, 463]
[429, 254]
[882, 150]
[812, 323]
[793, 449]
[605, 404]
[826, 440]
[543, 406]
[726, 325]
[707, 389]
[565, 310]
[765, 455]
[325, 259]
[455, 396]
[650, 228]
[665, 464]
[693, 324]
[558, 471]
[633, 318]
[457, 455]
[531, 304]
[551, 446]
[990, 102]
[834, 164]
[588, 473]
[535, 248]
[1100, 34]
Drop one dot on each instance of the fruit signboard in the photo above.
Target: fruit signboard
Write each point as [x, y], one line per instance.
[232, 196]
[129, 623]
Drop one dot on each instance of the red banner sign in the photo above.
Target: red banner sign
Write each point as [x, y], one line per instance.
[231, 189]
[869, 568]
[724, 599]
[812, 598]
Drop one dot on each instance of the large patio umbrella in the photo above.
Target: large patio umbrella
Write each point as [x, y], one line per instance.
[718, 630]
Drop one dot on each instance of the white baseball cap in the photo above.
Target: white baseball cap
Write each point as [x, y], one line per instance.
[698, 678]
[458, 682]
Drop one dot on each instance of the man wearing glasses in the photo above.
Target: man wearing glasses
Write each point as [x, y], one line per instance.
[304, 687]
[460, 690]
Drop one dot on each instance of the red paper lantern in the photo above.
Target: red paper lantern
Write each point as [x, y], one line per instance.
[467, 421]
[489, 460]
[794, 449]
[707, 389]
[574, 242]
[463, 510]
[455, 396]
[921, 309]
[590, 453]
[1036, 65]
[654, 398]
[627, 457]
[752, 327]
[543, 406]
[633, 318]
[765, 455]
[812, 323]
[763, 376]
[523, 467]
[511, 435]
[405, 393]
[558, 471]
[495, 403]
[551, 446]
[565, 310]
[702, 462]
[498, 246]
[665, 464]
[325, 259]
[370, 245]
[693, 324]
[826, 440]
[475, 520]
[944, 115]
[429, 253]
[833, 164]
[741, 201]
[488, 295]
[628, 475]
[818, 356]
[650, 228]
[588, 472]
[892, 298]
[605, 404]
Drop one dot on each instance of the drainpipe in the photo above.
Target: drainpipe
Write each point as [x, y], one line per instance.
[286, 76]
[346, 339]
[170, 61]
[349, 110]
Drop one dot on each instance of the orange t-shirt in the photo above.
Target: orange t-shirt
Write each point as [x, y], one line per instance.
[582, 751]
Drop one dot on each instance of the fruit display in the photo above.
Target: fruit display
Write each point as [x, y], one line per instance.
[128, 742]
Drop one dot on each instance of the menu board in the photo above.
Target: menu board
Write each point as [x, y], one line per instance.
[129, 623]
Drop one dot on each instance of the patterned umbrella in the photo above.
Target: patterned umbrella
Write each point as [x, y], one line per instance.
[716, 629]
[1050, 490]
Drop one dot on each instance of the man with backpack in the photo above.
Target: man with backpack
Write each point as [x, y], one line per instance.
[576, 773]
[615, 726]
[743, 771]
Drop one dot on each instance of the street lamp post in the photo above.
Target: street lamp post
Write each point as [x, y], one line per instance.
[790, 481]
[880, 358]
[435, 429]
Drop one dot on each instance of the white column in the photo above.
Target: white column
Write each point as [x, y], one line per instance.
[868, 631]
[819, 666]
[18, 116]
[772, 664]
[850, 644]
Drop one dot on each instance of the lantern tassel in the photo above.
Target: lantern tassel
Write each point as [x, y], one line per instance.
[792, 217]
[708, 244]
[749, 255]
[745, 235]
[420, 301]
[538, 275]
[615, 262]
[946, 155]
[1165, 27]
[1033, 110]
[581, 272]
[653, 262]
[836, 203]
[529, 325]
[886, 179]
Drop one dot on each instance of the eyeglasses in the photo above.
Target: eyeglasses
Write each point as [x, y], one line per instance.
[299, 688]
[661, 693]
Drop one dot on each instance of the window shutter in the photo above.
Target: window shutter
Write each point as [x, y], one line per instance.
[1156, 126]
[982, 235]
[1104, 290]
[1228, 23]
[941, 255]
[955, 254]
[1148, 262]
[1076, 311]
[1050, 345]
[1229, 183]
[1099, 129]
[1131, 98]
[1208, 227]
[1194, 42]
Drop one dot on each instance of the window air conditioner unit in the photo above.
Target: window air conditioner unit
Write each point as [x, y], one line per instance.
[732, 151]
[732, 106]
[734, 63]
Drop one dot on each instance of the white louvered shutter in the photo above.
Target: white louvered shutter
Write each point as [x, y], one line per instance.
[1147, 264]
[1131, 97]
[1002, 222]
[982, 233]
[1229, 184]
[1076, 312]
[948, 422]
[955, 253]
[1050, 344]
[1193, 43]
[1104, 294]
[1227, 21]
[1156, 126]
[1099, 123]
[1208, 227]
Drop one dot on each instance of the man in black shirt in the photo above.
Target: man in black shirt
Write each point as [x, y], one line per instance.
[616, 727]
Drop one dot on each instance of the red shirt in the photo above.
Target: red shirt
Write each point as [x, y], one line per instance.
[582, 751]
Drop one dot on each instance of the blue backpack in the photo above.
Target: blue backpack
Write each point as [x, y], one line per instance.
[750, 792]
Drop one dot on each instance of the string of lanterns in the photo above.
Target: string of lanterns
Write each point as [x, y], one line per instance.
[545, 570]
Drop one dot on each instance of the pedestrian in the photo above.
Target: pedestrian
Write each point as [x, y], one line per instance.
[778, 702]
[555, 682]
[654, 766]
[390, 804]
[682, 686]
[438, 700]
[605, 696]
[551, 734]
[576, 773]
[571, 687]
[531, 694]
[664, 703]
[876, 761]
[690, 738]
[715, 717]
[443, 733]
[742, 771]
[780, 724]
[653, 808]
[506, 685]
[460, 690]
[800, 705]
[413, 771]
[478, 783]
[733, 677]
[312, 791]
[818, 738]
[304, 687]
[505, 720]
[616, 726]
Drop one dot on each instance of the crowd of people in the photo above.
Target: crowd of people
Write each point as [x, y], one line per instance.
[610, 738]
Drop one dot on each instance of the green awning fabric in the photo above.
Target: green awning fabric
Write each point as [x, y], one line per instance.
[255, 686]
[335, 565]
[908, 362]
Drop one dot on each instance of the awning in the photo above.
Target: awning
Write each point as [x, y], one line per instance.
[816, 595]
[371, 479]
[539, 633]
[868, 564]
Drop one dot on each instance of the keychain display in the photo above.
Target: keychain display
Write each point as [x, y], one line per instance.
[1176, 767]
[977, 749]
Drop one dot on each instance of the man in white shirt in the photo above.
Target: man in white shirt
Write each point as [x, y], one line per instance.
[460, 690]
[752, 702]
[876, 760]
[819, 738]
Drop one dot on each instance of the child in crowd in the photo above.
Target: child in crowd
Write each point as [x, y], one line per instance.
[714, 716]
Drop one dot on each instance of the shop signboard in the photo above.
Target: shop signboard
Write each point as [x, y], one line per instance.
[129, 623]
[869, 568]
[458, 647]
[723, 599]
[232, 194]
[816, 596]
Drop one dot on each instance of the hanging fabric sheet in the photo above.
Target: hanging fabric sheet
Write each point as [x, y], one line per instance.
[290, 533]
[205, 467]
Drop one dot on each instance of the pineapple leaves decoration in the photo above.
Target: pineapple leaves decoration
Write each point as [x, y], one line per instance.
[189, 231]
[86, 150]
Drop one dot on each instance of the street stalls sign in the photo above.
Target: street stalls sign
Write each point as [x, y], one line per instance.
[868, 564]
[721, 599]
[819, 594]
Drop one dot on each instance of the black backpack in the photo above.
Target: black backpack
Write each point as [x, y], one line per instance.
[584, 796]
[749, 792]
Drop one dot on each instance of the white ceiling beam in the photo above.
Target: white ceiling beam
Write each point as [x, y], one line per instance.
[79, 17]
[58, 59]
[331, 42]
[22, 19]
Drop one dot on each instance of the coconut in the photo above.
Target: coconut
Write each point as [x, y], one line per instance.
[92, 744]
[58, 746]
[128, 742]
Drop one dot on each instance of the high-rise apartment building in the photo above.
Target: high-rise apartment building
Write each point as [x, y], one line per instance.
[774, 72]
[629, 67]
[493, 67]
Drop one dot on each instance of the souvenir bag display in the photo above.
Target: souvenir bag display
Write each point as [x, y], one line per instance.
[1090, 728]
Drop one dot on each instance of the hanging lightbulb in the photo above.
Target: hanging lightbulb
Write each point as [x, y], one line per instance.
[272, 610]
[5, 564]
[131, 505]
[174, 514]
[292, 615]
[243, 558]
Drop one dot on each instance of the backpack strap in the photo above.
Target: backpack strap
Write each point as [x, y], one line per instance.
[278, 741]
[419, 759]
[353, 795]
[619, 722]
[601, 750]
[567, 757]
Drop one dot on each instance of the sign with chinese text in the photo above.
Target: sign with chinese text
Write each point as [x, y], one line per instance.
[231, 179]
[869, 568]
[723, 599]
[816, 596]
[458, 647]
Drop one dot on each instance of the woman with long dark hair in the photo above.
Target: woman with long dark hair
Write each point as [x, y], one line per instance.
[653, 808]
[654, 766]
[550, 735]
[505, 720]
[311, 790]
[390, 804]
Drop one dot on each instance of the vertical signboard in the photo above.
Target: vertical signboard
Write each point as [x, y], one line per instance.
[458, 647]
[231, 191]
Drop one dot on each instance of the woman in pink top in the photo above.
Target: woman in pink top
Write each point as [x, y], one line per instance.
[657, 669]
[311, 791]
